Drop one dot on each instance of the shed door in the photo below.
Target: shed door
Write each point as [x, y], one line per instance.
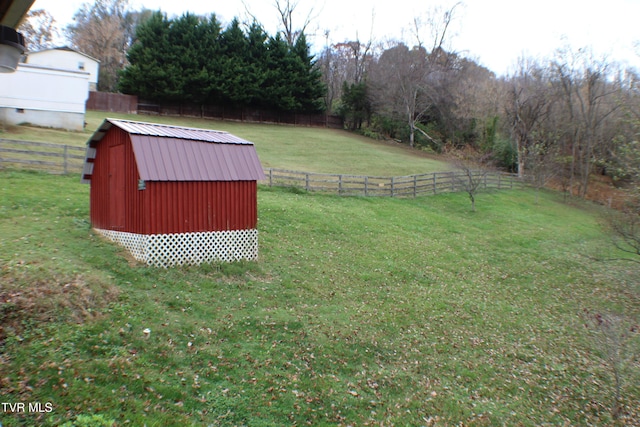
[116, 187]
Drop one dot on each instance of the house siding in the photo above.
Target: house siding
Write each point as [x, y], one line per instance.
[43, 97]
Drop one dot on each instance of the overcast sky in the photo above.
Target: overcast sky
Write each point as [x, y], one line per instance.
[493, 32]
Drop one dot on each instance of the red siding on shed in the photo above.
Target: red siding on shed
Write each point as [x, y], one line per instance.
[197, 206]
[102, 197]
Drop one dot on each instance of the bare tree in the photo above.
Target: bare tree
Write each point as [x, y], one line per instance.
[411, 82]
[437, 22]
[104, 30]
[528, 106]
[474, 104]
[344, 62]
[589, 100]
[624, 228]
[400, 82]
[291, 30]
[39, 29]
[471, 176]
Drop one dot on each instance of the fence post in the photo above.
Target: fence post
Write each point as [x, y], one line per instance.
[499, 180]
[453, 181]
[66, 158]
[434, 183]
[339, 184]
[306, 176]
[366, 186]
[270, 177]
[393, 186]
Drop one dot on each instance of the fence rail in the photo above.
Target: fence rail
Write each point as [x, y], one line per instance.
[59, 158]
[395, 186]
[54, 158]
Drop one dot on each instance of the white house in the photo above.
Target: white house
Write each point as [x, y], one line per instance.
[65, 58]
[44, 96]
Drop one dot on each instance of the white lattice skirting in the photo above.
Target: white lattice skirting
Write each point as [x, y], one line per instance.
[166, 250]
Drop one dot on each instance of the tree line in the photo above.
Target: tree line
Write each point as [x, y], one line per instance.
[191, 59]
[561, 118]
[558, 119]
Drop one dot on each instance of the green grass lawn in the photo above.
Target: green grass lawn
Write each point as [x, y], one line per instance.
[359, 311]
[287, 147]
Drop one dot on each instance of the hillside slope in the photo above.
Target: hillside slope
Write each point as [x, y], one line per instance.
[359, 311]
[279, 146]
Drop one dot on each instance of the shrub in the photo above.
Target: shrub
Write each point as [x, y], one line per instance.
[505, 154]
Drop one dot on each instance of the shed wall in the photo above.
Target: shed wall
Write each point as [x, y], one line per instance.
[102, 197]
[197, 206]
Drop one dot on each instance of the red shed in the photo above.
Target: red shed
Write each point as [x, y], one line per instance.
[174, 195]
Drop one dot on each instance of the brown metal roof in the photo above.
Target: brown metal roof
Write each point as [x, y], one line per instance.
[172, 153]
[172, 159]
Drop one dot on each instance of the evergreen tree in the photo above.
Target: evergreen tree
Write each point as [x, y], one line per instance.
[171, 60]
[256, 55]
[293, 82]
[356, 106]
[236, 81]
[150, 72]
[310, 89]
[278, 79]
[189, 59]
[193, 47]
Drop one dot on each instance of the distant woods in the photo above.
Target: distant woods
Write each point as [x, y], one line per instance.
[562, 118]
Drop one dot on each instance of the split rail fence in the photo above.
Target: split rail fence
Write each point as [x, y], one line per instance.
[397, 186]
[54, 158]
[59, 158]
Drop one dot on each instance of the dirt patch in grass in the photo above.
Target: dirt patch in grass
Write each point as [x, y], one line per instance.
[26, 300]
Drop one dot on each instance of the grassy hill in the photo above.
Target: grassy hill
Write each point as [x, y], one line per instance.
[360, 311]
[288, 147]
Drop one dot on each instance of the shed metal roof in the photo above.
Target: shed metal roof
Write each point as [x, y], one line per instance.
[173, 153]
[171, 159]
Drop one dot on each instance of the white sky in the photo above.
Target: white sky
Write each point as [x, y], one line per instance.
[493, 32]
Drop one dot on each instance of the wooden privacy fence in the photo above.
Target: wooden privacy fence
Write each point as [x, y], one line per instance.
[55, 158]
[396, 186]
[112, 102]
[250, 115]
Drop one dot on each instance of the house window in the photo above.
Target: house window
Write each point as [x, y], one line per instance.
[80, 65]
